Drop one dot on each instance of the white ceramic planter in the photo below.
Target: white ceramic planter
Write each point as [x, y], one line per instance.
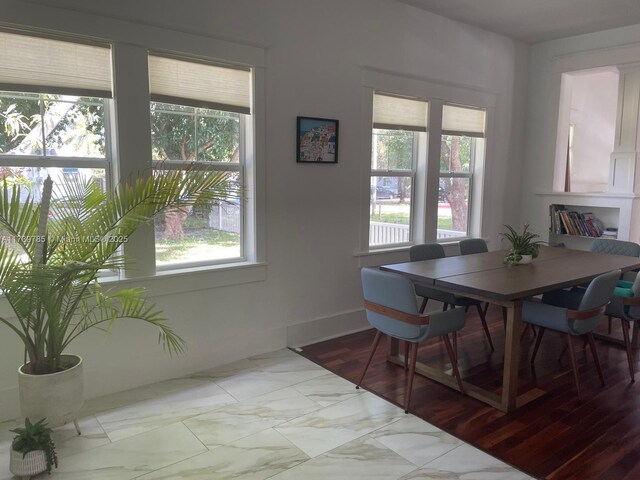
[525, 259]
[30, 464]
[57, 397]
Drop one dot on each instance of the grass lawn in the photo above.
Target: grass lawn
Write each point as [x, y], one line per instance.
[196, 243]
[444, 223]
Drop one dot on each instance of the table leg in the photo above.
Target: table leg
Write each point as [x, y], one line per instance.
[511, 356]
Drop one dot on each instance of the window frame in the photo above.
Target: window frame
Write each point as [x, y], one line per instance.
[437, 94]
[393, 173]
[240, 168]
[244, 167]
[468, 175]
[64, 161]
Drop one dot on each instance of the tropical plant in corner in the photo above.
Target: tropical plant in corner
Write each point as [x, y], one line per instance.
[55, 250]
[524, 243]
[34, 437]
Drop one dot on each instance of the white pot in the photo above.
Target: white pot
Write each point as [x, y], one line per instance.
[32, 463]
[525, 260]
[58, 397]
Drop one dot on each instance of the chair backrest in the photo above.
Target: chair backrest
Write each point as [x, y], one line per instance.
[426, 251]
[393, 291]
[473, 245]
[598, 293]
[615, 247]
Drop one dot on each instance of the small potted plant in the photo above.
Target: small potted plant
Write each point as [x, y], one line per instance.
[524, 246]
[32, 450]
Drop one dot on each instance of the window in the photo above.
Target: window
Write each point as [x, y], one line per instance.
[421, 183]
[53, 96]
[199, 113]
[398, 124]
[462, 143]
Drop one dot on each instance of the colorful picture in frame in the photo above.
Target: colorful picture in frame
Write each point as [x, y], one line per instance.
[317, 140]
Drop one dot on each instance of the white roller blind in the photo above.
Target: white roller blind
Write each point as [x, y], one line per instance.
[467, 121]
[399, 113]
[36, 64]
[199, 84]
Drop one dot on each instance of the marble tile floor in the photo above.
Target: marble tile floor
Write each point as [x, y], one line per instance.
[276, 416]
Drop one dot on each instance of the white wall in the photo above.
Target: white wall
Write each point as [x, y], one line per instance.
[314, 56]
[548, 61]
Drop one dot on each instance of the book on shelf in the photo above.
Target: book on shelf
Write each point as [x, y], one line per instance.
[570, 222]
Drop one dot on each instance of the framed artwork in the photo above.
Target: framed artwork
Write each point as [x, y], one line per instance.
[317, 140]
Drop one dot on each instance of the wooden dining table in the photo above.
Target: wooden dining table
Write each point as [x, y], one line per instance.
[484, 277]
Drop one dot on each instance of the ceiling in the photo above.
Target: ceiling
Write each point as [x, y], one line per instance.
[537, 20]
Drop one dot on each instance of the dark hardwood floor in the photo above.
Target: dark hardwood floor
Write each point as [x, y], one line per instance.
[555, 436]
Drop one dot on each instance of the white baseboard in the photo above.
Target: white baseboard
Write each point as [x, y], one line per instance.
[326, 328]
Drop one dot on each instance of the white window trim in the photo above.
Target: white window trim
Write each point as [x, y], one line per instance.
[215, 167]
[124, 34]
[436, 93]
[142, 244]
[399, 174]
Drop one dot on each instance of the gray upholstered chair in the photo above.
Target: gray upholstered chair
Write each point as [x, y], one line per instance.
[573, 313]
[430, 251]
[625, 305]
[470, 246]
[611, 246]
[390, 303]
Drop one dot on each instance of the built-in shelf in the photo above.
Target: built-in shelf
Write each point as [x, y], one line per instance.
[614, 209]
[566, 218]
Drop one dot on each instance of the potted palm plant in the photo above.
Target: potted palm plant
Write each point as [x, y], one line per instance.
[524, 246]
[49, 272]
[32, 450]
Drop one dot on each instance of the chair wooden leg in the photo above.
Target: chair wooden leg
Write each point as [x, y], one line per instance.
[407, 345]
[504, 316]
[594, 352]
[574, 363]
[627, 344]
[376, 341]
[424, 304]
[485, 326]
[412, 371]
[455, 343]
[486, 307]
[525, 330]
[537, 345]
[454, 361]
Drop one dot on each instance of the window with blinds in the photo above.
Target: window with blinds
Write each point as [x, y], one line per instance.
[52, 110]
[462, 143]
[458, 120]
[197, 84]
[45, 65]
[402, 195]
[399, 113]
[199, 113]
[398, 124]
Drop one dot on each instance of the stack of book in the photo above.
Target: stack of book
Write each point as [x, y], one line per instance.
[566, 222]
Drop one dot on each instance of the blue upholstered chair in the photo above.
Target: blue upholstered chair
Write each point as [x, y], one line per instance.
[625, 305]
[612, 246]
[390, 303]
[573, 313]
[430, 251]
